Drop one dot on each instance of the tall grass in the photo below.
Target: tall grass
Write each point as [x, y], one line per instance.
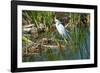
[77, 48]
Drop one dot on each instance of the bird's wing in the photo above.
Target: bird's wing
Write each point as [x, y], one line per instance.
[62, 29]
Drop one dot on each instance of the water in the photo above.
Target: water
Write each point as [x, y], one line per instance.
[53, 54]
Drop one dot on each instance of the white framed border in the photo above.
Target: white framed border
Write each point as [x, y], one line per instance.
[53, 63]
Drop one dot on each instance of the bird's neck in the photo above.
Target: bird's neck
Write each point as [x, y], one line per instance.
[58, 22]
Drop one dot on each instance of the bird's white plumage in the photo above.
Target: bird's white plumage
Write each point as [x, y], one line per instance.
[61, 29]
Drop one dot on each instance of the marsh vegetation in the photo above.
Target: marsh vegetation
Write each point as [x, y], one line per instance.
[42, 42]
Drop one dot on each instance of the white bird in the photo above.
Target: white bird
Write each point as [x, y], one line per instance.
[61, 29]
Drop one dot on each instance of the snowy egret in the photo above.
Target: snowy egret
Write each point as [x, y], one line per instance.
[61, 29]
